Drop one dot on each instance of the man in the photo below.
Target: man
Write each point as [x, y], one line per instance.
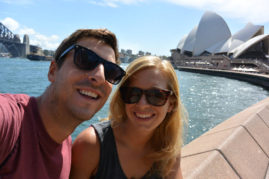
[35, 133]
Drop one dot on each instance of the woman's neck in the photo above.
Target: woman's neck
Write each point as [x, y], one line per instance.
[132, 137]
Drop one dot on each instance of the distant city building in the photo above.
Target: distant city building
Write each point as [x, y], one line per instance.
[126, 56]
[141, 53]
[129, 52]
[36, 50]
[48, 52]
[148, 53]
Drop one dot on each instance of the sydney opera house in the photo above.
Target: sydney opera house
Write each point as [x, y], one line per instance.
[212, 44]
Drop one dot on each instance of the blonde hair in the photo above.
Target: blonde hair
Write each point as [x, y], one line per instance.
[166, 141]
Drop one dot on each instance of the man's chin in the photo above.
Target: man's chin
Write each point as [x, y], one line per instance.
[85, 117]
[86, 113]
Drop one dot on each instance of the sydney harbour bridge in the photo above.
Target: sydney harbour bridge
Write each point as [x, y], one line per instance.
[11, 44]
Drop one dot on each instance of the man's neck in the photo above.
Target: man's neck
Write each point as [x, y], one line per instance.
[58, 125]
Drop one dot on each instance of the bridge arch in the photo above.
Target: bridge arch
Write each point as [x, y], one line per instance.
[12, 42]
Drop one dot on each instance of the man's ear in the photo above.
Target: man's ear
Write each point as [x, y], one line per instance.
[52, 71]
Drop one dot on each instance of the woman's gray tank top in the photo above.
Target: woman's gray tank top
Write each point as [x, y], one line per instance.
[109, 165]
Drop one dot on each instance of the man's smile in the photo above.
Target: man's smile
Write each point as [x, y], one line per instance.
[89, 94]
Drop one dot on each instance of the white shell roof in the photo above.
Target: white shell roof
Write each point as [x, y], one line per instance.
[248, 32]
[213, 35]
[211, 30]
[181, 42]
[217, 47]
[243, 35]
[189, 41]
[243, 47]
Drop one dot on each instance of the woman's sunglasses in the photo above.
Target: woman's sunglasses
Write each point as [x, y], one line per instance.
[86, 59]
[154, 96]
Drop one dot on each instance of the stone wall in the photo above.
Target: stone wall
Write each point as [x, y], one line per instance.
[236, 148]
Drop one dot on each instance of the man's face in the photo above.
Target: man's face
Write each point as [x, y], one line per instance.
[81, 93]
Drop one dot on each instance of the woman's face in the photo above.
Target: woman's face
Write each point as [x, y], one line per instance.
[143, 115]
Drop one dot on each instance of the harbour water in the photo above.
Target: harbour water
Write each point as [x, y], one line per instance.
[209, 100]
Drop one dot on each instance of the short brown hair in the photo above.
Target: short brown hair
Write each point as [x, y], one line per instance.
[106, 36]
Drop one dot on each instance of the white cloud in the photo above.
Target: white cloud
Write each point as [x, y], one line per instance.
[10, 23]
[255, 11]
[45, 42]
[114, 3]
[26, 30]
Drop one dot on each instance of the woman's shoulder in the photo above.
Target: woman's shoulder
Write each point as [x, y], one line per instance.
[90, 138]
[87, 141]
[102, 125]
[102, 129]
[85, 153]
[86, 137]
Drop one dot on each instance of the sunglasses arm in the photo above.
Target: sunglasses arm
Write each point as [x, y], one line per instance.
[66, 51]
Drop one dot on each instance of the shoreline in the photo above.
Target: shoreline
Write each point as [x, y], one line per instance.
[254, 78]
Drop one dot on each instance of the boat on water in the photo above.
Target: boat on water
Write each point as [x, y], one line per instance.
[7, 55]
[35, 57]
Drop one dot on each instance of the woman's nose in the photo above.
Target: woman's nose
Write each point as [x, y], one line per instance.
[143, 100]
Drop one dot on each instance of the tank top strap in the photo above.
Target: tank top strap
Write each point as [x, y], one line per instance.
[109, 164]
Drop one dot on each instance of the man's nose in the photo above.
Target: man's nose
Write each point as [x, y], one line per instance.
[97, 75]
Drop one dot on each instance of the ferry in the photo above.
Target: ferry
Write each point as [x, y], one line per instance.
[35, 57]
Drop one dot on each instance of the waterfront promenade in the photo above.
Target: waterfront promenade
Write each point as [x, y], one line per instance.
[254, 78]
[236, 148]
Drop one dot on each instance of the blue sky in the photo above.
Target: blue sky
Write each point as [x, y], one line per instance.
[154, 26]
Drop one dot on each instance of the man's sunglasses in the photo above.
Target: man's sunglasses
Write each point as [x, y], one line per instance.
[154, 96]
[86, 59]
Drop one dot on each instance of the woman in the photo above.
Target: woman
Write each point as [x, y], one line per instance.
[142, 138]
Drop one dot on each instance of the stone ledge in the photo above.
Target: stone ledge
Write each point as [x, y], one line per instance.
[267, 175]
[200, 166]
[236, 148]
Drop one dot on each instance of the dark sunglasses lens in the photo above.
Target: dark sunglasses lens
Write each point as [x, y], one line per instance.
[88, 60]
[113, 72]
[156, 97]
[130, 95]
[84, 59]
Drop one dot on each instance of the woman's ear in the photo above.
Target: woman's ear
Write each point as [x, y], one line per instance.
[52, 71]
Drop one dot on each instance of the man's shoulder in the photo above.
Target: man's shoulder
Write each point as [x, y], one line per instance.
[13, 108]
[11, 116]
[14, 98]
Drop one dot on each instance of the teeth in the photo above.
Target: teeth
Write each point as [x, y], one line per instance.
[88, 93]
[143, 115]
